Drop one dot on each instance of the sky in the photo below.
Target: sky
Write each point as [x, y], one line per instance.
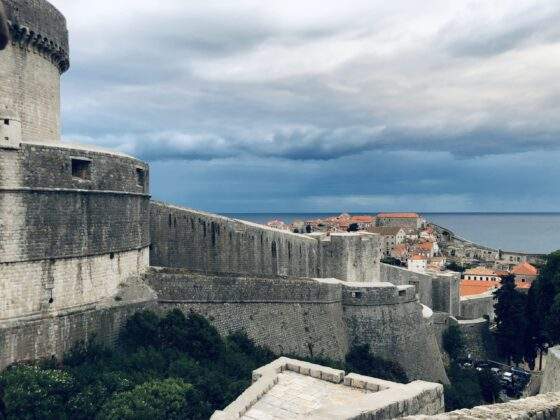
[320, 105]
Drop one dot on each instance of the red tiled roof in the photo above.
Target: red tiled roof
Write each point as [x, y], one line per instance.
[418, 258]
[525, 269]
[477, 287]
[481, 271]
[399, 215]
[362, 219]
[400, 249]
[425, 246]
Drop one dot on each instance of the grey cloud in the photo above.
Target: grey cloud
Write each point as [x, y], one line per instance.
[482, 38]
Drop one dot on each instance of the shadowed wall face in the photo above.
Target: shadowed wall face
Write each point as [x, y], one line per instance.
[3, 28]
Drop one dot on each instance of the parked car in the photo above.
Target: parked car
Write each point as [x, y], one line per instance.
[507, 377]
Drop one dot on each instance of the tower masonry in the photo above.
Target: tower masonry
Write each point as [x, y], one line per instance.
[30, 70]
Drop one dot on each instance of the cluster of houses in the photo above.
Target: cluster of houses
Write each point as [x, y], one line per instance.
[482, 279]
[408, 240]
[405, 236]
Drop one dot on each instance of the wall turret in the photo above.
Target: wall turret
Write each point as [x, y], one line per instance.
[31, 66]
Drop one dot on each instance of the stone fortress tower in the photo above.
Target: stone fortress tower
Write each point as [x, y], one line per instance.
[73, 220]
[30, 70]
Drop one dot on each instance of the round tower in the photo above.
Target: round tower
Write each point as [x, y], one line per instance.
[30, 70]
[74, 220]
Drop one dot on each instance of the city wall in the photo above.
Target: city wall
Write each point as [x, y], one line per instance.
[309, 317]
[186, 238]
[288, 315]
[477, 306]
[551, 378]
[53, 336]
[479, 341]
[68, 244]
[541, 407]
[438, 292]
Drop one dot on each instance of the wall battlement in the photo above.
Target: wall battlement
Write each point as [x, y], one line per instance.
[186, 238]
[309, 317]
[30, 70]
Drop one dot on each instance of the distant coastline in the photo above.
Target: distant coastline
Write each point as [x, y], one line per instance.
[525, 232]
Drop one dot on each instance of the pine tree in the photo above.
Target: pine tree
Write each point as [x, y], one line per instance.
[511, 321]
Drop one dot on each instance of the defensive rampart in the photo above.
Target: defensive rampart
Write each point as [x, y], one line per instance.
[438, 292]
[68, 241]
[308, 317]
[478, 306]
[30, 69]
[479, 342]
[186, 238]
[551, 378]
[51, 337]
[73, 231]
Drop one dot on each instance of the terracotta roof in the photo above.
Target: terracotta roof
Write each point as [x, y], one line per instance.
[384, 230]
[525, 269]
[399, 215]
[481, 271]
[426, 246]
[418, 258]
[400, 249]
[362, 219]
[477, 287]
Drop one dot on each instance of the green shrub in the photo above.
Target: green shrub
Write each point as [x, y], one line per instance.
[34, 393]
[170, 399]
[360, 360]
[453, 342]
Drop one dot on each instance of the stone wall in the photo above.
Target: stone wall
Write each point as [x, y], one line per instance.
[351, 256]
[541, 407]
[288, 315]
[394, 328]
[309, 317]
[551, 378]
[68, 242]
[479, 341]
[438, 292]
[351, 396]
[477, 306]
[185, 238]
[44, 288]
[53, 336]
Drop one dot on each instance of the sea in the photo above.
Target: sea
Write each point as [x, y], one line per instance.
[537, 233]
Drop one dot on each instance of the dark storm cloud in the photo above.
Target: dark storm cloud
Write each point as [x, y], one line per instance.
[370, 103]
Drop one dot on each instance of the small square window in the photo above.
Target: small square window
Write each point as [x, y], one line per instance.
[81, 168]
[140, 177]
[6, 121]
[357, 295]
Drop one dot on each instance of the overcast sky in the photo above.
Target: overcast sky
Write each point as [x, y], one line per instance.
[320, 105]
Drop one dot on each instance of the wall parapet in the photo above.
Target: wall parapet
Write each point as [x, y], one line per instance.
[551, 377]
[27, 38]
[438, 292]
[341, 395]
[39, 25]
[191, 239]
[544, 406]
